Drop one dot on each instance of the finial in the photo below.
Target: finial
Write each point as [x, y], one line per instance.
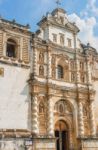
[58, 3]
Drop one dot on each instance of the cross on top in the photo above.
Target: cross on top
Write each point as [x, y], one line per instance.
[58, 3]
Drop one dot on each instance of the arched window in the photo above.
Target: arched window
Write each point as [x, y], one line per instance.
[60, 71]
[11, 48]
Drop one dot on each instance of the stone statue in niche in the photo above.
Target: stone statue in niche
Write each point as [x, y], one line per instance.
[41, 107]
[41, 70]
[41, 57]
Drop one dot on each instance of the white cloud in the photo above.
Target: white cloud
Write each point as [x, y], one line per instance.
[90, 9]
[87, 23]
[92, 6]
[86, 27]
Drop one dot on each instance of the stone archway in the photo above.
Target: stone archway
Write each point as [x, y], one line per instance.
[64, 125]
[62, 135]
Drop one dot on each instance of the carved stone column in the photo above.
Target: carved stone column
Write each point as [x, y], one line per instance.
[92, 119]
[34, 60]
[49, 63]
[80, 119]
[50, 124]
[4, 44]
[71, 139]
[88, 71]
[34, 119]
[77, 66]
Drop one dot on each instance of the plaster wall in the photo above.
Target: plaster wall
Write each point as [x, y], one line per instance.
[14, 98]
[58, 31]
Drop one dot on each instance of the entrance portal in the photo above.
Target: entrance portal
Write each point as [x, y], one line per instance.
[61, 133]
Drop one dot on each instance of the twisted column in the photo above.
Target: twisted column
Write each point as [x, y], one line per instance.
[50, 125]
[81, 123]
[92, 119]
[35, 124]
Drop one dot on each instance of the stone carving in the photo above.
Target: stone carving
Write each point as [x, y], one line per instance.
[62, 107]
[50, 126]
[72, 76]
[41, 107]
[35, 124]
[53, 60]
[53, 73]
[81, 121]
[41, 70]
[41, 57]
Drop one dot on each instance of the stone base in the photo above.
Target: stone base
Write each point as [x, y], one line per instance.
[44, 143]
[89, 144]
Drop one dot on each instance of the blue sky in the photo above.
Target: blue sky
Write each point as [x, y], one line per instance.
[83, 12]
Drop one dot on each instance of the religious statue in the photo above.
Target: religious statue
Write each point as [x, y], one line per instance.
[41, 57]
[41, 70]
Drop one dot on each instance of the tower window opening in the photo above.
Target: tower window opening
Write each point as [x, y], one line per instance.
[60, 72]
[11, 48]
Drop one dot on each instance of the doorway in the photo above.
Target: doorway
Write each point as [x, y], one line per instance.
[62, 136]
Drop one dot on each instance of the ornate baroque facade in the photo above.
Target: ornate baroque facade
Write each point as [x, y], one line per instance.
[48, 86]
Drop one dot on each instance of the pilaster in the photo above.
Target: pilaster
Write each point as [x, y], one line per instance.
[49, 63]
[77, 66]
[34, 60]
[34, 117]
[80, 119]
[92, 119]
[88, 71]
[50, 125]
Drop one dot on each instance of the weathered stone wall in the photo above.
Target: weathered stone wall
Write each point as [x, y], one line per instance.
[15, 144]
[1, 43]
[90, 144]
[96, 102]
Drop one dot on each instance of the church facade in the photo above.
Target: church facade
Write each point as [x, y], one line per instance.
[48, 86]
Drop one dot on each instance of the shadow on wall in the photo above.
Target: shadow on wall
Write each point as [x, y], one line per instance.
[25, 90]
[26, 93]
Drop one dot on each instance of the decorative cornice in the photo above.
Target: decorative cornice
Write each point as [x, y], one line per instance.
[15, 133]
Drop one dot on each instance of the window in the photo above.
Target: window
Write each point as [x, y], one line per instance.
[60, 71]
[11, 48]
[55, 38]
[61, 39]
[69, 42]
